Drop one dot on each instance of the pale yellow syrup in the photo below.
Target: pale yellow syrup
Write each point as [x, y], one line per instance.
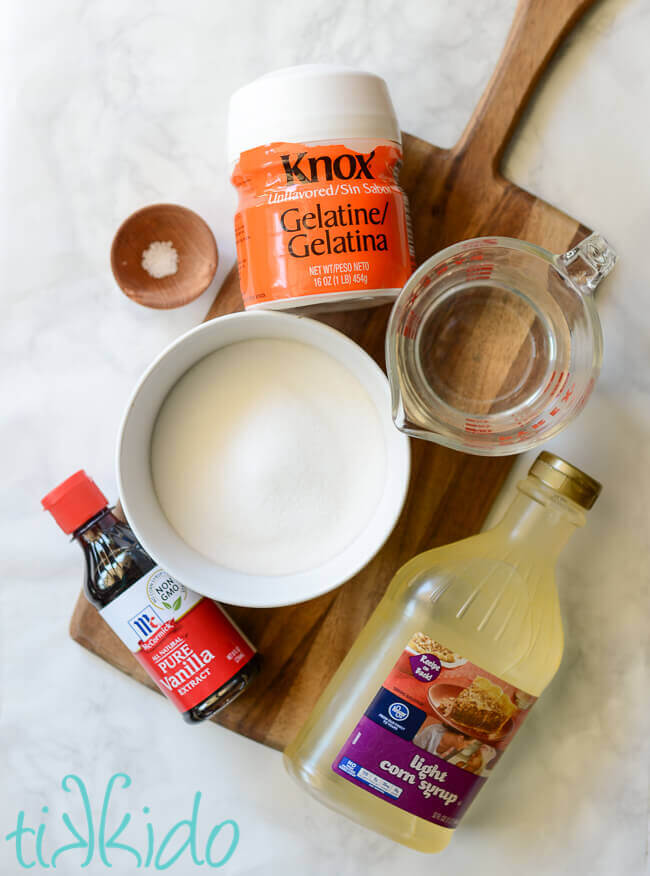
[490, 598]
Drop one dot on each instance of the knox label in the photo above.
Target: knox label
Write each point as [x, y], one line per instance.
[320, 220]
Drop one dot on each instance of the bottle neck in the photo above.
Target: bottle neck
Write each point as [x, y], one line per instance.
[101, 522]
[540, 520]
[115, 559]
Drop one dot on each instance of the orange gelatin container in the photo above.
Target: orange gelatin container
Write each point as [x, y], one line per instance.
[322, 221]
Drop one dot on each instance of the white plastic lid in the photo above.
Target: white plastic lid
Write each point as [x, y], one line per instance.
[309, 103]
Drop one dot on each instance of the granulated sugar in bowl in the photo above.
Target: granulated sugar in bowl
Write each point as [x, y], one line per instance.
[268, 457]
[258, 462]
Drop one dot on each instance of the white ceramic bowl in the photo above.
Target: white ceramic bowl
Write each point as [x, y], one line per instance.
[139, 497]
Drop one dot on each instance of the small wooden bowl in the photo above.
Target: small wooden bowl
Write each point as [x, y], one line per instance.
[190, 237]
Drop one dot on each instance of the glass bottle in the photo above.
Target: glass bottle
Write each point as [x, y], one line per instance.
[391, 743]
[189, 646]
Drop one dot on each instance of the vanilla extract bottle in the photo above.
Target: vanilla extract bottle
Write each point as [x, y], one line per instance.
[188, 645]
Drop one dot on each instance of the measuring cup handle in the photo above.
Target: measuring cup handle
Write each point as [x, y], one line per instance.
[537, 29]
[587, 263]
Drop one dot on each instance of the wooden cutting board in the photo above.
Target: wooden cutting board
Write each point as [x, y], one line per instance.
[454, 194]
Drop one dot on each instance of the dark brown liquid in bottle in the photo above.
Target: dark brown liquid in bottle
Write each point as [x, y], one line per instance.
[115, 560]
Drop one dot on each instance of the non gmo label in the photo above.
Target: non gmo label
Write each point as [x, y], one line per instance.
[147, 606]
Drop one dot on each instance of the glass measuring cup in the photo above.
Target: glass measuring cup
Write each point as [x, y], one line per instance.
[494, 344]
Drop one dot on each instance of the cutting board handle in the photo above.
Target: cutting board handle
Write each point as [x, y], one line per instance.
[537, 29]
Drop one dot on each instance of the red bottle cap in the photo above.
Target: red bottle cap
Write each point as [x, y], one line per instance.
[75, 501]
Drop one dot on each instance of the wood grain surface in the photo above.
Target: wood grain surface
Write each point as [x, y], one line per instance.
[454, 194]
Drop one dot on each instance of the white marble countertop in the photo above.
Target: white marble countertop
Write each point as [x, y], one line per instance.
[109, 105]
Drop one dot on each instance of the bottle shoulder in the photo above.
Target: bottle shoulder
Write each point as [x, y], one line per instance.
[496, 610]
[114, 559]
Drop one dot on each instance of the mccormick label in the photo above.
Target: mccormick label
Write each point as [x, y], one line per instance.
[187, 643]
[433, 733]
[320, 220]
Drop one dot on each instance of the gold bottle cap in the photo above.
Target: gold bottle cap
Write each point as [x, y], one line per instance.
[565, 479]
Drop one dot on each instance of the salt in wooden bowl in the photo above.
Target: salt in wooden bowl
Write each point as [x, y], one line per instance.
[191, 238]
